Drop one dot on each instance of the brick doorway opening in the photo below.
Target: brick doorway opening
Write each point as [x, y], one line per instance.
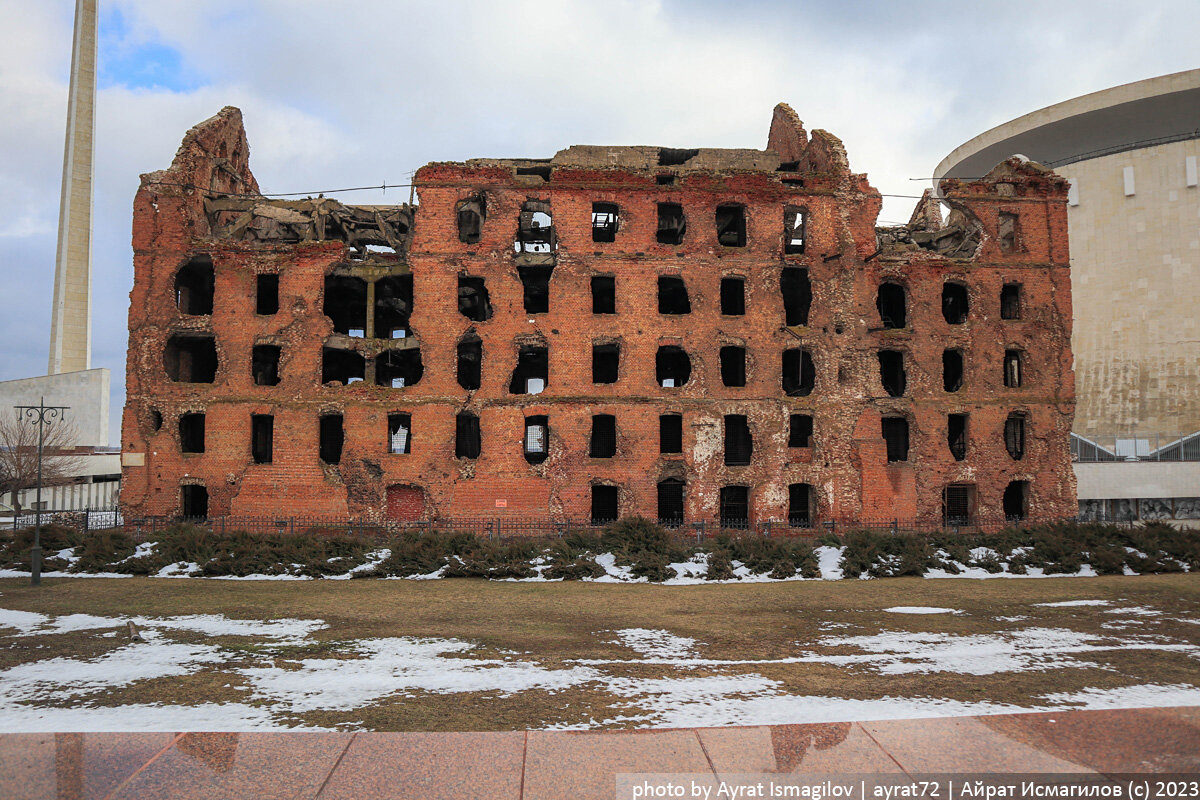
[405, 503]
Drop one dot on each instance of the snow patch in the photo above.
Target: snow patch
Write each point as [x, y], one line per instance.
[921, 610]
[656, 643]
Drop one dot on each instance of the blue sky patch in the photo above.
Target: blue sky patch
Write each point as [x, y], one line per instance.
[126, 60]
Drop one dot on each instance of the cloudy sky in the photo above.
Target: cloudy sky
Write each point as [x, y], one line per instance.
[356, 93]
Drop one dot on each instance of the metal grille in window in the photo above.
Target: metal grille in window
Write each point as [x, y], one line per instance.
[670, 501]
[800, 505]
[957, 509]
[735, 506]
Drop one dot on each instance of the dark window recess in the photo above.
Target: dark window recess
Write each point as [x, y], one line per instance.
[793, 230]
[532, 371]
[731, 225]
[733, 296]
[1010, 301]
[603, 442]
[1009, 230]
[800, 505]
[895, 435]
[956, 435]
[1012, 368]
[537, 439]
[266, 295]
[797, 295]
[346, 304]
[957, 504]
[604, 504]
[800, 430]
[955, 304]
[195, 501]
[733, 366]
[393, 305]
[473, 300]
[739, 444]
[672, 366]
[1016, 501]
[194, 286]
[670, 433]
[543, 171]
[670, 501]
[735, 506]
[673, 295]
[604, 294]
[191, 433]
[891, 372]
[264, 364]
[891, 305]
[332, 434]
[604, 222]
[399, 368]
[535, 231]
[467, 442]
[535, 283]
[399, 433]
[799, 374]
[262, 438]
[952, 370]
[664, 180]
[191, 359]
[674, 157]
[606, 361]
[1014, 435]
[156, 420]
[671, 223]
[469, 361]
[342, 366]
[471, 213]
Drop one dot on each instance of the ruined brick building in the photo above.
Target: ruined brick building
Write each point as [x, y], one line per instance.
[689, 335]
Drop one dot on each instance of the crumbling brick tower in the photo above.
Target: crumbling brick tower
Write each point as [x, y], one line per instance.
[692, 335]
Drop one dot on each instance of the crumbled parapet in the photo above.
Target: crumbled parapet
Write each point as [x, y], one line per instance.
[319, 219]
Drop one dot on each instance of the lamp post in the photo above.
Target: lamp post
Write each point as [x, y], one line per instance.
[43, 416]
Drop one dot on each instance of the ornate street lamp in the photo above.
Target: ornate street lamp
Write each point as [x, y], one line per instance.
[43, 416]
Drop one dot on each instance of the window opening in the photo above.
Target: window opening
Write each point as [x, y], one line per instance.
[1010, 301]
[671, 224]
[956, 435]
[470, 361]
[604, 294]
[895, 435]
[264, 364]
[670, 433]
[797, 295]
[346, 304]
[733, 366]
[467, 443]
[471, 213]
[799, 374]
[674, 157]
[1014, 435]
[1016, 501]
[1012, 368]
[673, 295]
[191, 433]
[731, 225]
[603, 443]
[156, 420]
[891, 305]
[393, 305]
[532, 371]
[670, 501]
[733, 296]
[194, 286]
[604, 222]
[891, 372]
[793, 230]
[400, 433]
[537, 439]
[191, 359]
[735, 506]
[473, 300]
[957, 504]
[672, 367]
[604, 504]
[606, 360]
[535, 233]
[954, 303]
[399, 368]
[535, 281]
[195, 501]
[332, 438]
[739, 444]
[342, 366]
[800, 505]
[266, 295]
[800, 430]
[1008, 232]
[262, 438]
[952, 370]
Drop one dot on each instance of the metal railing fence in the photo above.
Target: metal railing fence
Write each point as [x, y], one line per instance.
[1135, 446]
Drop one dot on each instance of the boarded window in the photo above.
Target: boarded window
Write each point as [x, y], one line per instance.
[958, 504]
[731, 225]
[895, 436]
[797, 295]
[956, 435]
[606, 361]
[671, 224]
[733, 296]
[535, 285]
[603, 441]
[604, 504]
[532, 371]
[191, 359]
[332, 437]
[604, 294]
[799, 373]
[670, 433]
[537, 439]
[735, 506]
[801, 505]
[1010, 301]
[739, 444]
[1014, 435]
[1009, 232]
[266, 295]
[673, 295]
[604, 222]
[733, 366]
[191, 433]
[1013, 364]
[800, 430]
[670, 501]
[470, 214]
[793, 230]
[891, 372]
[264, 364]
[194, 501]
[1016, 501]
[399, 368]
[535, 229]
[393, 305]
[194, 286]
[473, 300]
[890, 303]
[672, 367]
[952, 370]
[400, 433]
[342, 366]
[262, 438]
[467, 442]
[955, 304]
[346, 304]
[469, 361]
